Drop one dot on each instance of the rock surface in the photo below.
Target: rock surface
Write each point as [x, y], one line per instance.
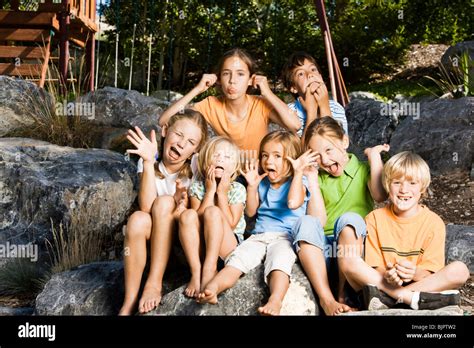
[443, 134]
[449, 310]
[43, 184]
[93, 289]
[16, 96]
[245, 297]
[460, 245]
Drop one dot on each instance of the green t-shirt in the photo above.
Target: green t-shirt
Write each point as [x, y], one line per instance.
[346, 193]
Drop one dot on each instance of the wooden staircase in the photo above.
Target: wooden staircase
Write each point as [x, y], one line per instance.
[27, 38]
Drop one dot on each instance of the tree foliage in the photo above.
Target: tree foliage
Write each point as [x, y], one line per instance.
[189, 36]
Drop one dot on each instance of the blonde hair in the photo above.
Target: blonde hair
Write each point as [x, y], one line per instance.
[326, 127]
[406, 165]
[291, 147]
[198, 119]
[206, 153]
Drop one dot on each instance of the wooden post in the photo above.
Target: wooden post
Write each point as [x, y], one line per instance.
[339, 92]
[90, 58]
[64, 21]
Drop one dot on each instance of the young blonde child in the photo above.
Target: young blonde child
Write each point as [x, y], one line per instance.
[404, 250]
[349, 188]
[242, 117]
[279, 197]
[215, 224]
[162, 197]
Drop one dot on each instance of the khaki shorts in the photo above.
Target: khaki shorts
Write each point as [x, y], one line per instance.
[273, 247]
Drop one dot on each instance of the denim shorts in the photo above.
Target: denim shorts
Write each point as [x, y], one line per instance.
[308, 229]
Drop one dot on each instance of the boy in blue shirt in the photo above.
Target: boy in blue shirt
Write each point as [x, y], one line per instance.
[302, 78]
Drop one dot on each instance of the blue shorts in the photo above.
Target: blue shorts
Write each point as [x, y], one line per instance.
[308, 229]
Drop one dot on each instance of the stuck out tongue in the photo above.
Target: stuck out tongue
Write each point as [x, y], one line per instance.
[272, 174]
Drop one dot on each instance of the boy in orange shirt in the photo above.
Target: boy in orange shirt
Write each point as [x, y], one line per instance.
[404, 249]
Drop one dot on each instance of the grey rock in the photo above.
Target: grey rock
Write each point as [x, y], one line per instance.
[371, 122]
[16, 311]
[116, 110]
[449, 310]
[162, 96]
[456, 51]
[43, 184]
[93, 289]
[16, 99]
[443, 134]
[460, 245]
[245, 297]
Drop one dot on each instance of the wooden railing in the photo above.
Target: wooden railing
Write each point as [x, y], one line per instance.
[83, 9]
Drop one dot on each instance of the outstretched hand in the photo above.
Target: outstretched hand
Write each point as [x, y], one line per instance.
[145, 148]
[250, 173]
[306, 160]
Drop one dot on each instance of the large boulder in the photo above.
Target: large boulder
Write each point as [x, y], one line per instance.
[44, 185]
[453, 54]
[18, 99]
[443, 134]
[93, 289]
[460, 245]
[97, 289]
[245, 297]
[117, 110]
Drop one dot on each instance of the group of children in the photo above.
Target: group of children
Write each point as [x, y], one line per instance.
[308, 194]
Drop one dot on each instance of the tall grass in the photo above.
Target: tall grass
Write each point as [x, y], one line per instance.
[20, 277]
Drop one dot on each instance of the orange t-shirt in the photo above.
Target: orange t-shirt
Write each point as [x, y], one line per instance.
[419, 239]
[246, 133]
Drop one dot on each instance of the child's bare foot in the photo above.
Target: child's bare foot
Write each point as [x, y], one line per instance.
[332, 307]
[207, 275]
[194, 286]
[209, 295]
[272, 307]
[150, 299]
[127, 309]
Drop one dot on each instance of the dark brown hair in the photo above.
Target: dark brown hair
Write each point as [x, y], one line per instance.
[294, 61]
[240, 53]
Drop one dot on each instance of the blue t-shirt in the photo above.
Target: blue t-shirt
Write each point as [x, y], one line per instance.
[273, 214]
[337, 112]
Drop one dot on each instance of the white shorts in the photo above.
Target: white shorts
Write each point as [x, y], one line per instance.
[273, 247]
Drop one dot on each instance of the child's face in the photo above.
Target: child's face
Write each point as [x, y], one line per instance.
[181, 141]
[273, 161]
[332, 157]
[304, 75]
[405, 195]
[234, 78]
[224, 159]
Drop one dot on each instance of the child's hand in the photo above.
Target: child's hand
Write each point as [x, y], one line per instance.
[181, 194]
[224, 184]
[309, 102]
[261, 82]
[146, 149]
[250, 173]
[311, 173]
[206, 82]
[306, 160]
[405, 270]
[391, 275]
[370, 152]
[211, 185]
